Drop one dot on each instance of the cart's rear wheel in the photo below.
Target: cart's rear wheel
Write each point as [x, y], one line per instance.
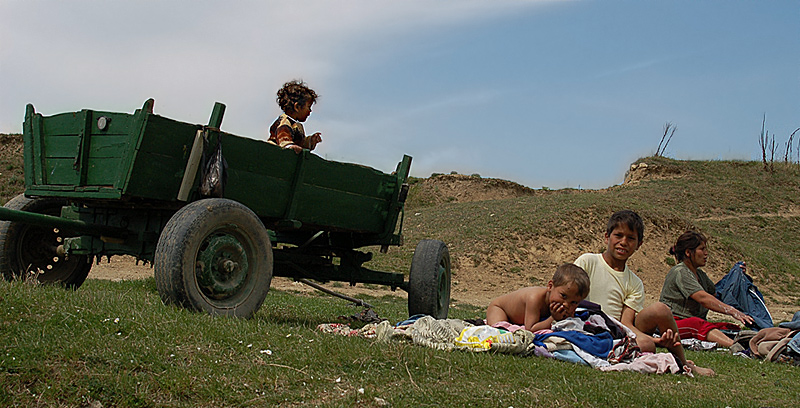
[30, 250]
[429, 280]
[214, 256]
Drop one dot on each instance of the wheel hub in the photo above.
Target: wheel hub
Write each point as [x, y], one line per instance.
[222, 266]
[38, 253]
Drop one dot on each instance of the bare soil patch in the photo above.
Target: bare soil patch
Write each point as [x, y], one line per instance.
[477, 278]
[459, 188]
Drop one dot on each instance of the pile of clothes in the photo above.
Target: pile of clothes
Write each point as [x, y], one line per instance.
[774, 344]
[591, 338]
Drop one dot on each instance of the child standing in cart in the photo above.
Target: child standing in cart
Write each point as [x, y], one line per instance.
[295, 99]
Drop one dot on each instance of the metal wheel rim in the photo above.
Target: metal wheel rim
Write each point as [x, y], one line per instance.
[36, 253]
[223, 268]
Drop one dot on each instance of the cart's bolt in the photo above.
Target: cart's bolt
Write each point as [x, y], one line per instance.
[60, 251]
[102, 122]
[230, 266]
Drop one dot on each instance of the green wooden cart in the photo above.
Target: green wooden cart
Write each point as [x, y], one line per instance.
[100, 184]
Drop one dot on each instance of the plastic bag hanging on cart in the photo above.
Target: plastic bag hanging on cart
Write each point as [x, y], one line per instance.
[215, 173]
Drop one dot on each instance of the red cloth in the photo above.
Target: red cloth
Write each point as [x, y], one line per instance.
[698, 328]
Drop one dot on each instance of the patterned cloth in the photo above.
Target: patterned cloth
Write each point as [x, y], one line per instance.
[368, 331]
[296, 134]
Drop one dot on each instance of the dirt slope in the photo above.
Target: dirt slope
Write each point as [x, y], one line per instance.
[459, 188]
[477, 278]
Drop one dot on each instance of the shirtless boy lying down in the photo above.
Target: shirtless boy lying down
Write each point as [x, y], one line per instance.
[537, 308]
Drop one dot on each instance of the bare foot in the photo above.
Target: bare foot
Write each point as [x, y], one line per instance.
[707, 372]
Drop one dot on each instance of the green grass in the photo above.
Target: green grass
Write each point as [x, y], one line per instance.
[115, 343]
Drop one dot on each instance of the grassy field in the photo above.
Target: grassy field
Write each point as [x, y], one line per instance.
[113, 344]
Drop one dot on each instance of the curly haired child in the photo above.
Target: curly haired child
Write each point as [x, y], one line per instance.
[295, 99]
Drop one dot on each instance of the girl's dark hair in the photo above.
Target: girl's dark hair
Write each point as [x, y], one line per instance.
[293, 92]
[688, 240]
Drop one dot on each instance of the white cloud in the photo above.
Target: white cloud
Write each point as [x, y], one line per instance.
[71, 55]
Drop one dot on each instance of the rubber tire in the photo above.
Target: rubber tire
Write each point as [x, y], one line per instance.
[429, 280]
[181, 242]
[25, 248]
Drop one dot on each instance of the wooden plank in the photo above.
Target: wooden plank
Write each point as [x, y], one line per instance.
[31, 148]
[266, 195]
[354, 178]
[74, 192]
[108, 146]
[69, 123]
[59, 171]
[160, 158]
[341, 209]
[98, 174]
[61, 146]
[81, 163]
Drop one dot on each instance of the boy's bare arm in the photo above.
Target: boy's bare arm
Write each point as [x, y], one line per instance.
[533, 313]
[542, 325]
[558, 311]
[628, 317]
[668, 339]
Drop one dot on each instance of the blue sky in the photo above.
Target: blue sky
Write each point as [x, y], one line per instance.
[544, 93]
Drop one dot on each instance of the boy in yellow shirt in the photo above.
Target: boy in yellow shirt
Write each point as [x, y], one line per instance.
[620, 293]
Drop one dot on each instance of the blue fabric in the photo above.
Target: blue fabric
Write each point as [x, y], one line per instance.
[794, 344]
[598, 345]
[410, 320]
[737, 289]
[569, 356]
[794, 324]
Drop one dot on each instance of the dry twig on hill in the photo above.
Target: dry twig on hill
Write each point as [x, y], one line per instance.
[669, 131]
[765, 143]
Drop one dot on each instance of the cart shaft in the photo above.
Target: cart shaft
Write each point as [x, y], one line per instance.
[62, 223]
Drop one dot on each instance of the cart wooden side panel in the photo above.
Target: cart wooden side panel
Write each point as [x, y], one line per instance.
[279, 184]
[159, 159]
[63, 156]
[105, 155]
[129, 184]
[90, 155]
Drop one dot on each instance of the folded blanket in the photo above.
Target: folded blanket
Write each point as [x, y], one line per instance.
[598, 345]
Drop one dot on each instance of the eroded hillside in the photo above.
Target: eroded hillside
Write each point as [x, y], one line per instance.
[503, 235]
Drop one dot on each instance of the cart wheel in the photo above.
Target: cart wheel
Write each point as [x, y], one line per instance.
[214, 256]
[429, 280]
[26, 248]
